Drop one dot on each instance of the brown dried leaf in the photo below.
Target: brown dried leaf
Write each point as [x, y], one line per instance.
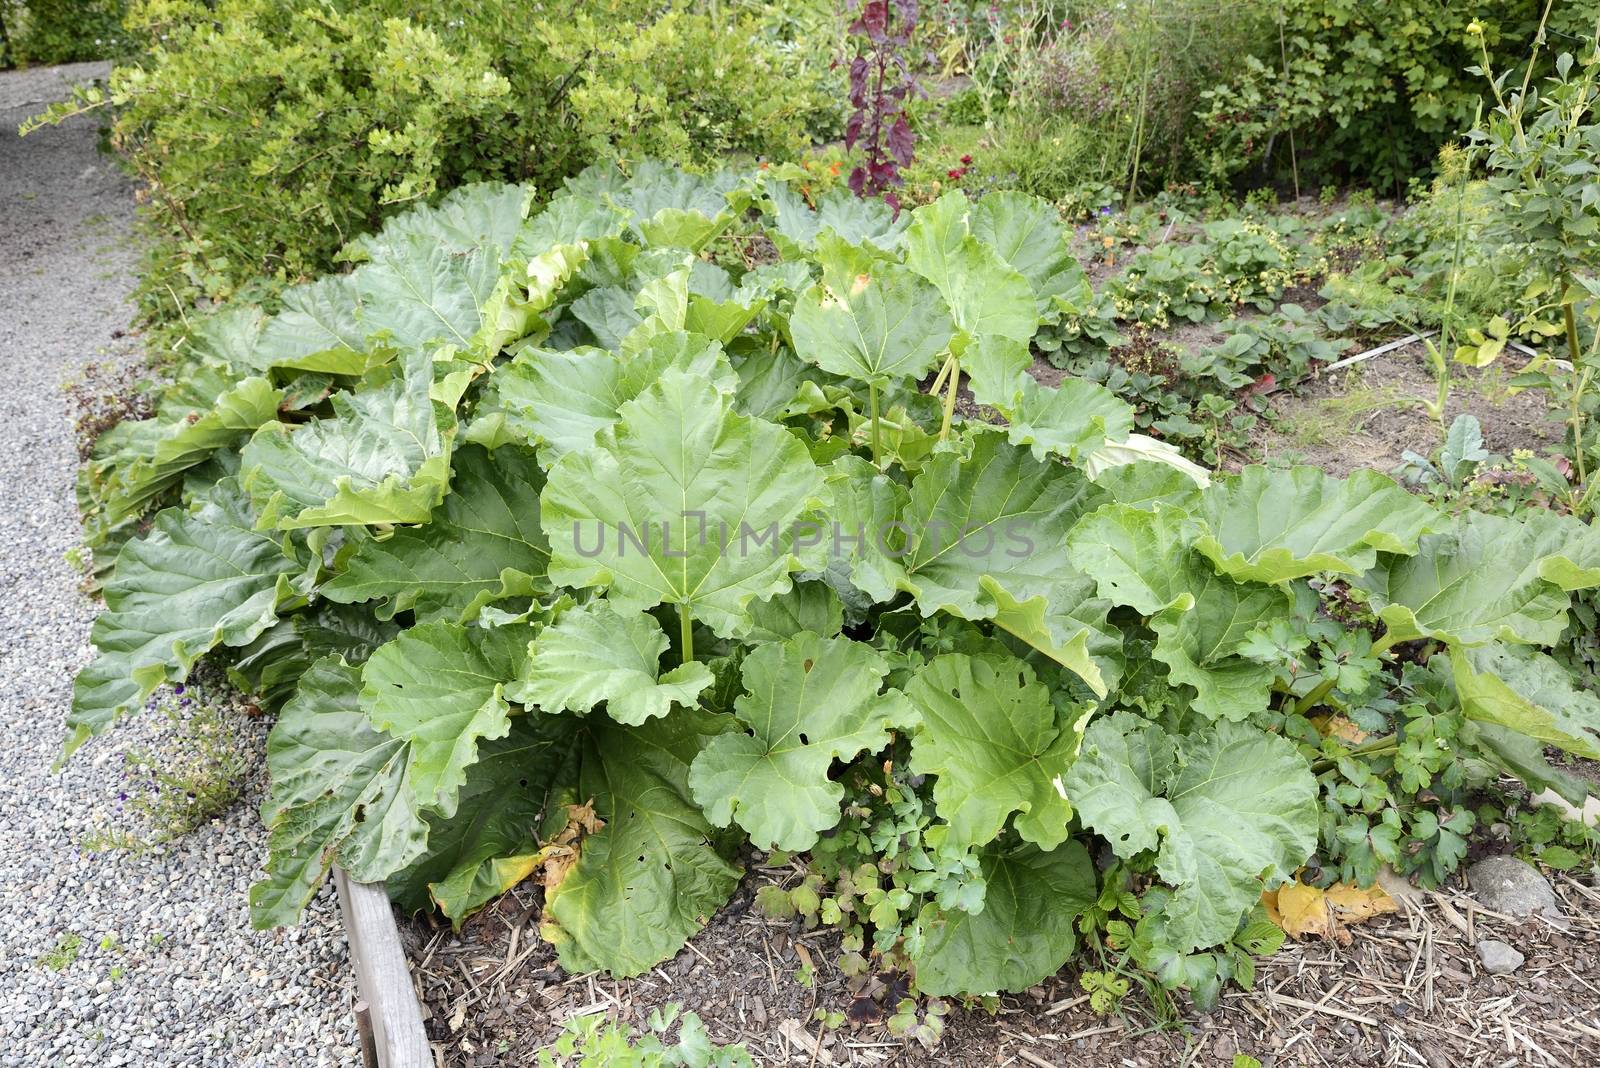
[560, 853]
[1341, 727]
[1305, 911]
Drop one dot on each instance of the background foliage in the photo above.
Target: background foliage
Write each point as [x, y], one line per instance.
[271, 132]
[59, 31]
[1368, 92]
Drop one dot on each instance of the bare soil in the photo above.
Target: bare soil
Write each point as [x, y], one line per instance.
[1371, 414]
[1407, 991]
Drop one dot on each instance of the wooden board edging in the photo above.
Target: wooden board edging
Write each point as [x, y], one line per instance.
[393, 1028]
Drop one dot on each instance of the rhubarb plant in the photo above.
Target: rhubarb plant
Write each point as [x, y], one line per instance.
[563, 550]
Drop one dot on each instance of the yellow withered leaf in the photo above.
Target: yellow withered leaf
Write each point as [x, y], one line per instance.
[560, 853]
[1304, 911]
[1334, 726]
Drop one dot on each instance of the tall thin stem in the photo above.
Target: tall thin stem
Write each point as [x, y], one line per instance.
[1314, 698]
[877, 448]
[1572, 330]
[1294, 157]
[686, 632]
[1442, 354]
[950, 399]
[1575, 418]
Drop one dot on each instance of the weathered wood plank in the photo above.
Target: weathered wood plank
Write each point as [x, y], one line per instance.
[382, 975]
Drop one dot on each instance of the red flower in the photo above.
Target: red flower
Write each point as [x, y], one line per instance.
[966, 161]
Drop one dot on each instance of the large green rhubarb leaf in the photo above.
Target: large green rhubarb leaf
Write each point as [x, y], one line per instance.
[270, 667]
[1569, 549]
[1477, 583]
[490, 844]
[660, 196]
[561, 400]
[486, 215]
[1530, 693]
[1025, 933]
[1147, 484]
[483, 544]
[809, 606]
[880, 325]
[339, 792]
[383, 458]
[1027, 233]
[990, 734]
[1071, 420]
[983, 538]
[1140, 558]
[1231, 813]
[318, 329]
[808, 702]
[1198, 636]
[421, 293]
[439, 687]
[594, 653]
[186, 441]
[986, 297]
[684, 502]
[198, 580]
[1272, 526]
[858, 220]
[657, 870]
[567, 220]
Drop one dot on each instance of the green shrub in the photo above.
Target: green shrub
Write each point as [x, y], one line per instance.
[41, 32]
[1120, 85]
[271, 132]
[1364, 91]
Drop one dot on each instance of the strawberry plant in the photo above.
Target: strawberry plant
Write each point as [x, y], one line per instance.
[559, 548]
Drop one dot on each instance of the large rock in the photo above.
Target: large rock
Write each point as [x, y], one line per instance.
[1499, 958]
[1514, 887]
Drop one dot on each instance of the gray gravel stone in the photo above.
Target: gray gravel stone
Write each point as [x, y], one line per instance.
[167, 970]
[1514, 887]
[1499, 958]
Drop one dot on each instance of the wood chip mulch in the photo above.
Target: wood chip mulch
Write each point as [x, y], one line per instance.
[1407, 992]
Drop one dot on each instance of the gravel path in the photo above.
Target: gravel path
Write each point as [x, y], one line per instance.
[167, 970]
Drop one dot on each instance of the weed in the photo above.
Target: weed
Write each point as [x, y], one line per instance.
[190, 780]
[1338, 417]
[592, 1042]
[65, 952]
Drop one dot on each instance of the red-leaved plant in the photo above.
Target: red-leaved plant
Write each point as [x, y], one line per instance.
[881, 83]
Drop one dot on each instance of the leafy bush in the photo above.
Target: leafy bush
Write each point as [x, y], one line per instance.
[271, 132]
[1117, 89]
[570, 551]
[42, 32]
[1366, 92]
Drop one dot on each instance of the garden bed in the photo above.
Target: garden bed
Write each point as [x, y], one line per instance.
[1409, 990]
